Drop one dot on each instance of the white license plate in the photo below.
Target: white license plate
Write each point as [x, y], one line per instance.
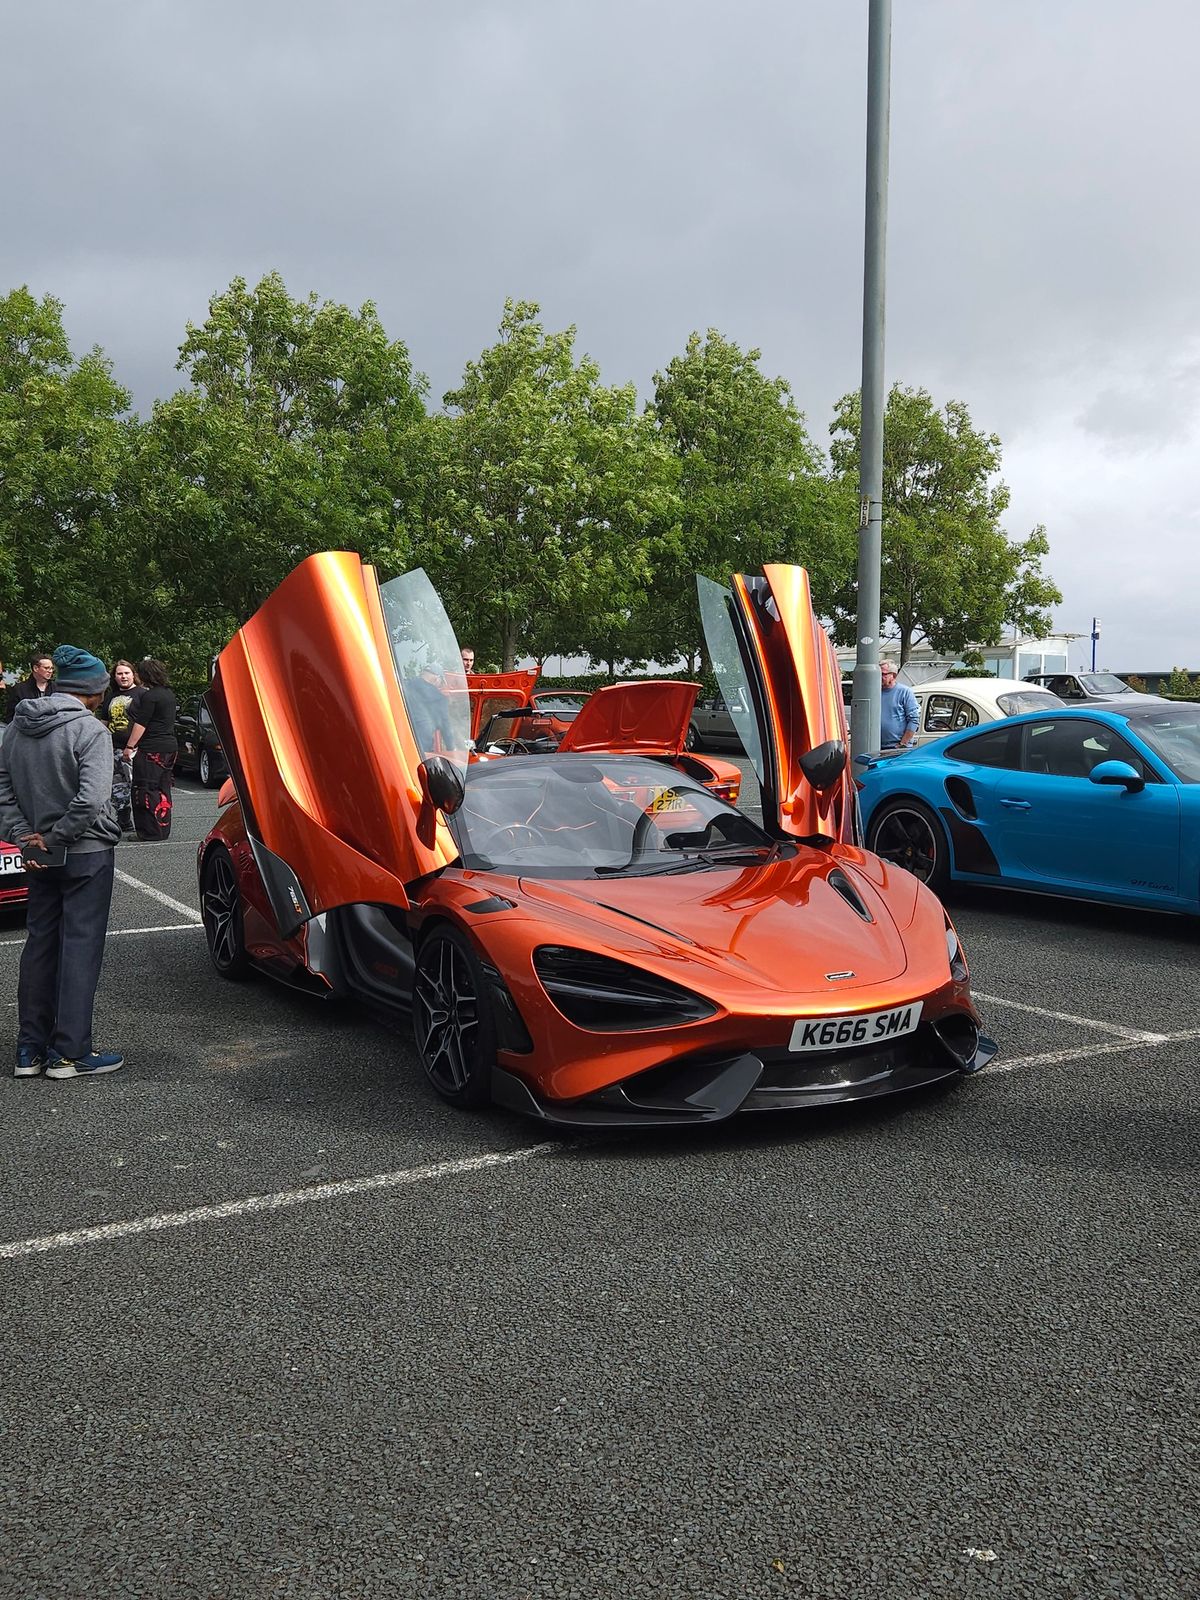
[10, 861]
[844, 1033]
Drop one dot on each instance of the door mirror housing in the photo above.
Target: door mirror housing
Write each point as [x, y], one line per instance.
[441, 784]
[1117, 775]
[824, 765]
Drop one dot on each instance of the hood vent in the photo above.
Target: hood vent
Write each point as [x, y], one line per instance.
[838, 880]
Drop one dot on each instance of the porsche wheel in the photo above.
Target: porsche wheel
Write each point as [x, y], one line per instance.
[221, 912]
[908, 834]
[692, 741]
[452, 1019]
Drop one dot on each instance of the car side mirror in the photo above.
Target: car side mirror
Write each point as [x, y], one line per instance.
[1117, 775]
[441, 784]
[824, 765]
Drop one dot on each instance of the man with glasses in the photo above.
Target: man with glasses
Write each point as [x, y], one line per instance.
[35, 686]
[898, 715]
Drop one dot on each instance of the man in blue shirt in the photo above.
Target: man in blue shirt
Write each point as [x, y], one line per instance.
[898, 716]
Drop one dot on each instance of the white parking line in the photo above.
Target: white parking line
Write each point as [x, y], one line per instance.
[157, 894]
[117, 933]
[1081, 1052]
[109, 1231]
[1135, 1035]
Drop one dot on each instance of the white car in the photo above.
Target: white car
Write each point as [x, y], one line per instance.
[952, 704]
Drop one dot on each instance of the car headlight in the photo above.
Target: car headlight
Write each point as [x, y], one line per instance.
[607, 996]
[954, 950]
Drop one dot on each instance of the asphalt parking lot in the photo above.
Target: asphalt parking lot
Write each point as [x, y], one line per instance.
[352, 1343]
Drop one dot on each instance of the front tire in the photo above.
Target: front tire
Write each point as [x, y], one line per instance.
[221, 912]
[452, 1019]
[909, 835]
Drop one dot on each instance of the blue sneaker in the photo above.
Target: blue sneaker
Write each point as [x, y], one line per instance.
[30, 1061]
[86, 1067]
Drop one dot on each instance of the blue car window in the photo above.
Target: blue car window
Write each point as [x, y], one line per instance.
[1071, 746]
[1174, 736]
[995, 748]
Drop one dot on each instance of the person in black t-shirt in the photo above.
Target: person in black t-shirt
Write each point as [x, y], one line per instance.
[152, 747]
[118, 711]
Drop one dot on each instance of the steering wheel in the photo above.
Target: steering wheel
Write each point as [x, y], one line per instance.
[517, 836]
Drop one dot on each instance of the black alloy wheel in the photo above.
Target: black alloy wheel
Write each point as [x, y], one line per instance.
[452, 1019]
[907, 833]
[692, 741]
[221, 911]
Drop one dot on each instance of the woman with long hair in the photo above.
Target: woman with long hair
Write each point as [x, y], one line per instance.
[118, 709]
[152, 747]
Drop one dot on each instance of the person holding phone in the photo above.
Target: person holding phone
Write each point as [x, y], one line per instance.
[56, 803]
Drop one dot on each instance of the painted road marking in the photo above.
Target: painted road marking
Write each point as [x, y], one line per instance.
[116, 933]
[228, 1209]
[1080, 1052]
[157, 894]
[1135, 1035]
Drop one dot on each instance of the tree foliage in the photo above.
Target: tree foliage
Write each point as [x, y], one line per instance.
[752, 488]
[950, 573]
[64, 447]
[547, 493]
[302, 429]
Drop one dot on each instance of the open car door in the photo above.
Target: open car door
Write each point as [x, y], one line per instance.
[327, 702]
[649, 718]
[780, 679]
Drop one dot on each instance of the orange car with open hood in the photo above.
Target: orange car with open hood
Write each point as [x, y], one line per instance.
[590, 936]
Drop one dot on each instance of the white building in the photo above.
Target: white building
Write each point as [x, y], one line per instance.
[1016, 658]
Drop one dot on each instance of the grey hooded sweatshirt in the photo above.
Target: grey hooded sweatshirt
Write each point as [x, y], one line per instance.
[56, 774]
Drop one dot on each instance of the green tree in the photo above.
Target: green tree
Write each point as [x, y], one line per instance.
[950, 573]
[546, 494]
[303, 429]
[1180, 682]
[64, 447]
[752, 485]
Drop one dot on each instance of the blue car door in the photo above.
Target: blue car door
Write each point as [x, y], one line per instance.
[1058, 829]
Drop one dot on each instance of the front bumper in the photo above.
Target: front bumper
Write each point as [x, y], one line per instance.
[684, 1093]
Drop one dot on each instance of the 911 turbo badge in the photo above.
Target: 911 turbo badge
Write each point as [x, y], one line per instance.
[577, 935]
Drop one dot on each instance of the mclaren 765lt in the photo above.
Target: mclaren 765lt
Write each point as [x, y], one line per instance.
[593, 938]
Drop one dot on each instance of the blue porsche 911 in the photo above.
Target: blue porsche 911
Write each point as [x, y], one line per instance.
[1094, 804]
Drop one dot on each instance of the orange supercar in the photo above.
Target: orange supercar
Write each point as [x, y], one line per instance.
[592, 936]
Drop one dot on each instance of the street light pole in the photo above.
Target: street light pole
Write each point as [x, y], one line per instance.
[864, 726]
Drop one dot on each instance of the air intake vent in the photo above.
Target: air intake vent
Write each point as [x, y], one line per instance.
[838, 880]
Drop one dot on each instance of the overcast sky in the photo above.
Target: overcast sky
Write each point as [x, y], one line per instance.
[643, 168]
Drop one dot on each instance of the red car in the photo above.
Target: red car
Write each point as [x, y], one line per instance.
[14, 889]
[594, 939]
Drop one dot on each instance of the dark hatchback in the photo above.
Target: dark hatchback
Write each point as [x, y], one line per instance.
[199, 743]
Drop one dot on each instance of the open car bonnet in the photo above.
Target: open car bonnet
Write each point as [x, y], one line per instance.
[648, 718]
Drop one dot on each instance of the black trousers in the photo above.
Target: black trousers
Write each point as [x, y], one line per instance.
[66, 922]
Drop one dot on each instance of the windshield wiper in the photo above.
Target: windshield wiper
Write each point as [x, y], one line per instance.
[723, 856]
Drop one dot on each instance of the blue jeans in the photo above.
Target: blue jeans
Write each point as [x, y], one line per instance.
[66, 923]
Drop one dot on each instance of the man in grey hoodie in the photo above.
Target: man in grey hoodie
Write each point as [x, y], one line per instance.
[56, 792]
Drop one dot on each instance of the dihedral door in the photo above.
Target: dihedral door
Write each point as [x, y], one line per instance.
[327, 701]
[780, 679]
[649, 718]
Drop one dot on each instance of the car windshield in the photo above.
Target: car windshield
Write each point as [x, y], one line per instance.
[428, 665]
[565, 706]
[1104, 683]
[1021, 700]
[583, 816]
[1175, 737]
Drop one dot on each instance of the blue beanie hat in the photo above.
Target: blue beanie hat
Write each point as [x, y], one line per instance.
[78, 672]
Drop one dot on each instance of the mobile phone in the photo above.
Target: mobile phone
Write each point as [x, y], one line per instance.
[55, 856]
